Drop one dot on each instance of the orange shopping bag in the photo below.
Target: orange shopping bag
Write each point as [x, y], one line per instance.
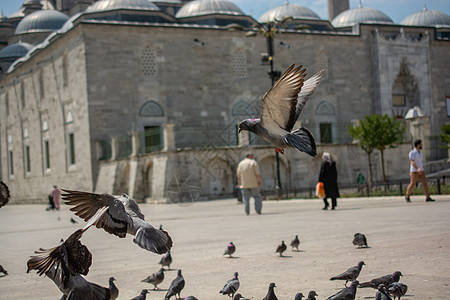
[320, 190]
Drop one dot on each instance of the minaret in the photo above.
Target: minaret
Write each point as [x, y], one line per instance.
[335, 7]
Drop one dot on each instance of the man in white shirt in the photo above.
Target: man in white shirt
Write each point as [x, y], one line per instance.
[416, 171]
[249, 181]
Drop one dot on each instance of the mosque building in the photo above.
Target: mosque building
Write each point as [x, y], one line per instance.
[144, 96]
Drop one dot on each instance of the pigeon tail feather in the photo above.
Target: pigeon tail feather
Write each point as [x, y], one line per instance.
[303, 140]
[157, 241]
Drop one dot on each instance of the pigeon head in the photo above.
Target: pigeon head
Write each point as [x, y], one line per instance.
[397, 275]
[111, 279]
[356, 234]
[272, 285]
[361, 263]
[162, 270]
[312, 294]
[248, 125]
[179, 273]
[235, 274]
[298, 296]
[143, 292]
[354, 283]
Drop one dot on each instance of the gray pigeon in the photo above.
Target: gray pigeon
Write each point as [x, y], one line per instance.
[281, 107]
[231, 286]
[351, 274]
[5, 195]
[156, 278]
[397, 289]
[113, 289]
[271, 293]
[281, 248]
[382, 293]
[347, 293]
[2, 270]
[298, 296]
[386, 280]
[230, 249]
[295, 243]
[312, 295]
[238, 296]
[360, 240]
[119, 215]
[65, 264]
[166, 260]
[141, 296]
[176, 287]
[190, 298]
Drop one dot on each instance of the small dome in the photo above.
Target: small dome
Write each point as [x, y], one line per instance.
[288, 10]
[15, 50]
[208, 7]
[42, 20]
[359, 15]
[104, 5]
[20, 14]
[429, 18]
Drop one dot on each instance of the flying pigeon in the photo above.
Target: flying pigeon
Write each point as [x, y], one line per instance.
[347, 293]
[295, 243]
[281, 107]
[114, 291]
[360, 240]
[397, 289]
[298, 296]
[239, 297]
[120, 215]
[175, 287]
[351, 274]
[141, 296]
[230, 249]
[281, 248]
[156, 278]
[386, 280]
[73, 221]
[382, 293]
[166, 260]
[231, 286]
[190, 298]
[5, 195]
[312, 295]
[2, 270]
[66, 263]
[271, 293]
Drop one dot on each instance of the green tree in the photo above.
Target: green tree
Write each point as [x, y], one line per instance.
[445, 134]
[377, 132]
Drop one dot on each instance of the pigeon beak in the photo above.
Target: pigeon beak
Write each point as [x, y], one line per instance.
[239, 130]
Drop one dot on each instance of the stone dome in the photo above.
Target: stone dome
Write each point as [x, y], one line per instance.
[359, 15]
[429, 18]
[42, 20]
[20, 14]
[288, 10]
[15, 50]
[104, 5]
[207, 7]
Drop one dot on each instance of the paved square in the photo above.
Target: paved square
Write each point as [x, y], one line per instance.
[412, 238]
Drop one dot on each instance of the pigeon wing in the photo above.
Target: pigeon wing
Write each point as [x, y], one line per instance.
[307, 90]
[4, 194]
[114, 220]
[279, 103]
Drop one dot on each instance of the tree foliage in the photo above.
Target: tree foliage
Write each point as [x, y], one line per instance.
[445, 133]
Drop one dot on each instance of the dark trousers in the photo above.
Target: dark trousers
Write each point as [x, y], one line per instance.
[333, 202]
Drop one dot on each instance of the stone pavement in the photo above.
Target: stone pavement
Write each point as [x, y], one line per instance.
[412, 238]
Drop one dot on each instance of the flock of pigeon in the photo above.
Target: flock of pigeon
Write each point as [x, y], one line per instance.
[67, 263]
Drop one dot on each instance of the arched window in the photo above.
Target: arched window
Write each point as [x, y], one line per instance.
[325, 116]
[151, 109]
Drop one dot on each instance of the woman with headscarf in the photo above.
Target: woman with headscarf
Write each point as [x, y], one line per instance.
[328, 175]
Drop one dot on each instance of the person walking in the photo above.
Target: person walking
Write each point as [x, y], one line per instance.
[56, 194]
[249, 182]
[328, 175]
[416, 171]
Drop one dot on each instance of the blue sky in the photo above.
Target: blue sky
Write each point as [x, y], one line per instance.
[396, 9]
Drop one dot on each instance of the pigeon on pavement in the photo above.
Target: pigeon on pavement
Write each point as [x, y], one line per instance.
[238, 296]
[397, 289]
[271, 293]
[166, 260]
[141, 296]
[312, 295]
[2, 270]
[120, 215]
[351, 274]
[281, 248]
[347, 293]
[175, 287]
[298, 296]
[360, 240]
[281, 107]
[230, 249]
[5, 195]
[156, 278]
[231, 286]
[295, 243]
[386, 280]
[113, 289]
[190, 298]
[382, 293]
